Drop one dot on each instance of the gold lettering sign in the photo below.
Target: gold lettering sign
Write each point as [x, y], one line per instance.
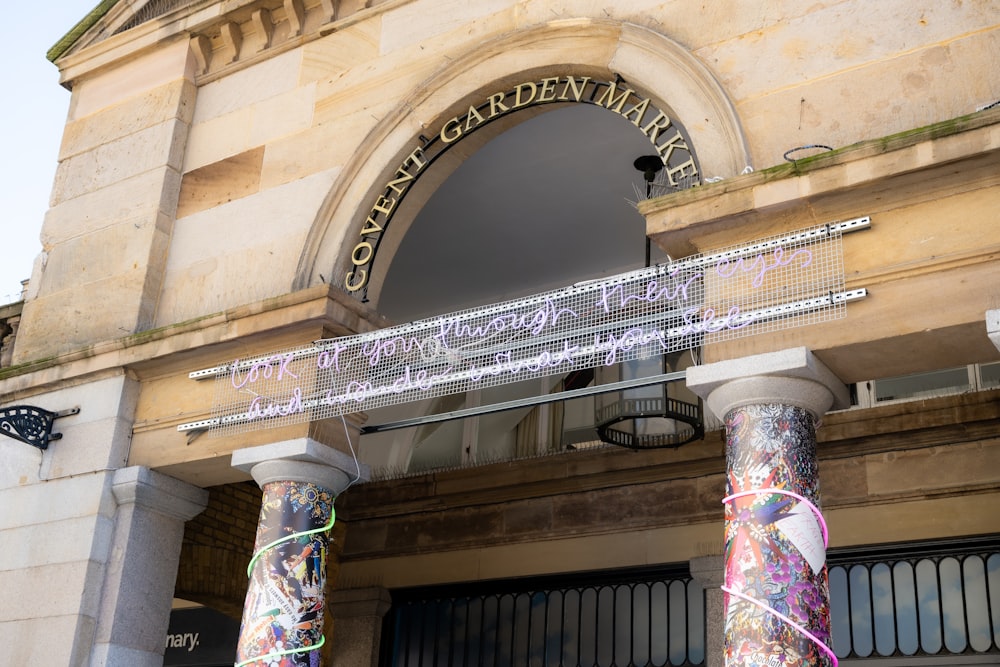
[666, 137]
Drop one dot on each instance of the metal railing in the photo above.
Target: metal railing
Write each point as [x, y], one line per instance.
[938, 600]
[648, 621]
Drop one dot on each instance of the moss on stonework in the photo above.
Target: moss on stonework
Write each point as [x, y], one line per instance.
[34, 364]
[90, 350]
[883, 145]
[77, 31]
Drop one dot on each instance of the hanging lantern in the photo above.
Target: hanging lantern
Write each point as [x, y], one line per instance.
[652, 417]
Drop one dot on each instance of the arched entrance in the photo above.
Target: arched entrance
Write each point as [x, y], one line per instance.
[655, 67]
[542, 205]
[612, 93]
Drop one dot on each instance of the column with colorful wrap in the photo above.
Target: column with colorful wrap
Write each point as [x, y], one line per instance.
[286, 596]
[776, 594]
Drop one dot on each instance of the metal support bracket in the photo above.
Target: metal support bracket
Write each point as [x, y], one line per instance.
[31, 425]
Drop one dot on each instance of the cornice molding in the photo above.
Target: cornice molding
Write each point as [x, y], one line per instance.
[225, 36]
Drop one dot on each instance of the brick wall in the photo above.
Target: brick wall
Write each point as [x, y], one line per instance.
[218, 544]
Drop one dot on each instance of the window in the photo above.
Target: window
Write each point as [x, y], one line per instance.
[977, 377]
[650, 619]
[935, 600]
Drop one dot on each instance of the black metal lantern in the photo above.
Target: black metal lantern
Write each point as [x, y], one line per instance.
[654, 416]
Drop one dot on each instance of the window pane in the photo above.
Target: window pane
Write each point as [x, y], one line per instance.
[489, 632]
[474, 630]
[640, 624]
[990, 374]
[840, 612]
[696, 631]
[935, 383]
[505, 630]
[906, 608]
[885, 623]
[952, 604]
[974, 577]
[658, 618]
[520, 623]
[459, 630]
[588, 627]
[993, 579]
[571, 627]
[677, 625]
[623, 625]
[861, 611]
[605, 626]
[929, 606]
[554, 629]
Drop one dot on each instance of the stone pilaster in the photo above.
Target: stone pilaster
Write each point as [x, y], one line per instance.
[286, 597]
[709, 571]
[357, 625]
[776, 593]
[139, 583]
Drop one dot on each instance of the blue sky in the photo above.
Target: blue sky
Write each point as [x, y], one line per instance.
[31, 120]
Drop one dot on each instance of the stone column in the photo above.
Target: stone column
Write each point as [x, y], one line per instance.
[777, 609]
[357, 625]
[286, 596]
[142, 567]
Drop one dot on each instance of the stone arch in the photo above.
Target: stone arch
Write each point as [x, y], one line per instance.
[650, 62]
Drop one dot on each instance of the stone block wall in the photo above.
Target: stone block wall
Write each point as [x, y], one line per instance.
[113, 205]
[218, 544]
[201, 166]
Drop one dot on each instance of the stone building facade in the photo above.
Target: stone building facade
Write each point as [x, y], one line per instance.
[226, 178]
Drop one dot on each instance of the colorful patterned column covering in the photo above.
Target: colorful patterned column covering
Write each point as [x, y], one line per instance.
[283, 613]
[777, 596]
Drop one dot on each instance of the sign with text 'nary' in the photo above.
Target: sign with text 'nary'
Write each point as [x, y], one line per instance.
[771, 284]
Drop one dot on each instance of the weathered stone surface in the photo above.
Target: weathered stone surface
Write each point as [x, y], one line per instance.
[99, 436]
[71, 313]
[245, 88]
[148, 149]
[220, 182]
[293, 157]
[258, 238]
[68, 588]
[219, 138]
[411, 22]
[66, 499]
[937, 518]
[137, 197]
[934, 469]
[882, 94]
[172, 101]
[282, 115]
[35, 645]
[134, 77]
[118, 249]
[330, 56]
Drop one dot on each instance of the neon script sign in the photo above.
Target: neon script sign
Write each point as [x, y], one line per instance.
[772, 284]
[667, 139]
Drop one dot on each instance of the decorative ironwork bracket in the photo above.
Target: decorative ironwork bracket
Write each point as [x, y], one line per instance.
[31, 425]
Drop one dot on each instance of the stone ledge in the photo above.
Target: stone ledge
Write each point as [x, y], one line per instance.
[148, 351]
[678, 220]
